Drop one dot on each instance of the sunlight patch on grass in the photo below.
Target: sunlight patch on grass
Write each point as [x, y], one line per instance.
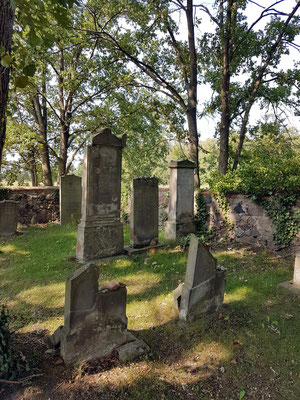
[200, 362]
[10, 248]
[239, 294]
[49, 325]
[151, 313]
[52, 295]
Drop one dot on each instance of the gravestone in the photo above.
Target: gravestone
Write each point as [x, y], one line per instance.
[144, 212]
[95, 320]
[8, 217]
[100, 232]
[70, 199]
[294, 285]
[203, 289]
[181, 201]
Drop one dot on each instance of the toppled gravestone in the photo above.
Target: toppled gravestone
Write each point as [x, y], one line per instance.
[203, 289]
[294, 285]
[95, 322]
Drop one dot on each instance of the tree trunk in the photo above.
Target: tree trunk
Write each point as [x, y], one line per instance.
[6, 31]
[192, 93]
[63, 155]
[242, 137]
[225, 83]
[41, 123]
[32, 169]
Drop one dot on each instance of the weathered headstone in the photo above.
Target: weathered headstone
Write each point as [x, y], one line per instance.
[294, 285]
[144, 212]
[70, 199]
[100, 232]
[181, 201]
[8, 217]
[203, 289]
[95, 320]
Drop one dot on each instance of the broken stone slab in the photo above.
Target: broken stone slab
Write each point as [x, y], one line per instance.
[133, 251]
[132, 349]
[294, 285]
[203, 289]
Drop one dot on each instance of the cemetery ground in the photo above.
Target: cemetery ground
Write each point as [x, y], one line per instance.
[249, 350]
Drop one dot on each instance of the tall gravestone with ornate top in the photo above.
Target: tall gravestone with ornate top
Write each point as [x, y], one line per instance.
[181, 201]
[100, 232]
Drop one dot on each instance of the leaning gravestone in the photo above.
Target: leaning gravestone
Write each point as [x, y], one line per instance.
[100, 232]
[8, 217]
[70, 199]
[203, 289]
[181, 201]
[294, 285]
[95, 322]
[143, 214]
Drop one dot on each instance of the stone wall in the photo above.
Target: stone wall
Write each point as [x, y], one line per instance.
[37, 205]
[251, 223]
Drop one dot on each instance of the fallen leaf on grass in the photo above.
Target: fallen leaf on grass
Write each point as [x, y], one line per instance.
[236, 343]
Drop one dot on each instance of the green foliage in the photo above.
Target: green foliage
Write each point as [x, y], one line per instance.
[10, 363]
[286, 223]
[204, 233]
[270, 167]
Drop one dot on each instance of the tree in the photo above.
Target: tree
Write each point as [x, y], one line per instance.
[150, 44]
[6, 32]
[236, 50]
[27, 15]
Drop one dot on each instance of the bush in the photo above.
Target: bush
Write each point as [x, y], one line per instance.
[10, 364]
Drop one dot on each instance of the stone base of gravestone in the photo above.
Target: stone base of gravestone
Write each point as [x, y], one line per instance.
[174, 230]
[204, 286]
[8, 217]
[95, 323]
[294, 285]
[102, 240]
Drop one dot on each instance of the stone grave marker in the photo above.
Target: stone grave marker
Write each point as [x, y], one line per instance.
[294, 285]
[70, 199]
[8, 217]
[100, 232]
[203, 289]
[143, 214]
[181, 201]
[95, 322]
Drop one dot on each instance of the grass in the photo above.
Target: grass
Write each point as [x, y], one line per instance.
[251, 349]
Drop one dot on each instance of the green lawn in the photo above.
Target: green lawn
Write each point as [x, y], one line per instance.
[251, 349]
